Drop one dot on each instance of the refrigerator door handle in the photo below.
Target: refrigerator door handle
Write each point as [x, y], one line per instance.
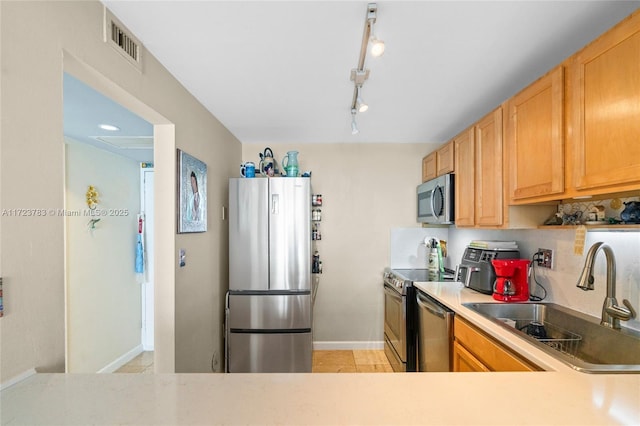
[226, 333]
[275, 204]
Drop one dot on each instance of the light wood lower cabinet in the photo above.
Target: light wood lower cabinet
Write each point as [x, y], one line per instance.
[473, 350]
[464, 361]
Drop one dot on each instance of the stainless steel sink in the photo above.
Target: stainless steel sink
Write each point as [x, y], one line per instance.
[575, 338]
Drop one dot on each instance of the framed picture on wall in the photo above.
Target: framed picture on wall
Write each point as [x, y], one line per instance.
[192, 194]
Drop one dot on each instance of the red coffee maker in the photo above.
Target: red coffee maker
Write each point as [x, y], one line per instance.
[511, 284]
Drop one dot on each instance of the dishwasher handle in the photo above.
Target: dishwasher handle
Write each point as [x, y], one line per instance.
[429, 305]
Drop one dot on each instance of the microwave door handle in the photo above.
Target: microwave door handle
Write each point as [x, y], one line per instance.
[433, 207]
[437, 191]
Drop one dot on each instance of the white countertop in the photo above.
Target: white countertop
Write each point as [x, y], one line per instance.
[561, 396]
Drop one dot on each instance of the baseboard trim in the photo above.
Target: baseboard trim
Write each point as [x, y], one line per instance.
[122, 360]
[16, 379]
[328, 346]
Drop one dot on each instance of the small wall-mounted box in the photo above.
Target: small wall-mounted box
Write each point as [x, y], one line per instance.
[596, 213]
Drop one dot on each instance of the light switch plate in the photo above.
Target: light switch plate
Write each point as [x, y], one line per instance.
[183, 258]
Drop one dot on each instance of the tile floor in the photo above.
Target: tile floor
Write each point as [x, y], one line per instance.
[351, 361]
[143, 364]
[345, 361]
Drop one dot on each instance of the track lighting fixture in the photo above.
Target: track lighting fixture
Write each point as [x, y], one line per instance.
[360, 74]
[354, 125]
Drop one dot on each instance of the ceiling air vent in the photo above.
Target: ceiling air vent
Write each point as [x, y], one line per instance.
[127, 142]
[121, 39]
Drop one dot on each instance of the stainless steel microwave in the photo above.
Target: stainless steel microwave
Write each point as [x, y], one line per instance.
[435, 200]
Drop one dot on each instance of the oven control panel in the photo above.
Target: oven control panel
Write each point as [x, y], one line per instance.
[396, 281]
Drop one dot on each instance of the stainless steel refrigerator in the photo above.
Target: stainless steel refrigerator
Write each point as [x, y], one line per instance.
[268, 315]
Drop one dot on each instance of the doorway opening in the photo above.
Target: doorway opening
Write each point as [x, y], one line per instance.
[153, 301]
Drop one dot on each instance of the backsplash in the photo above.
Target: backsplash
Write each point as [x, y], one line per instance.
[407, 248]
[560, 282]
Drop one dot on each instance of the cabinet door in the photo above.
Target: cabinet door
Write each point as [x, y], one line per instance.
[464, 154]
[606, 109]
[473, 346]
[488, 174]
[464, 361]
[535, 138]
[444, 159]
[429, 170]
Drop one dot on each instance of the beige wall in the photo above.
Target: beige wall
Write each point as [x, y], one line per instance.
[40, 40]
[367, 189]
[103, 297]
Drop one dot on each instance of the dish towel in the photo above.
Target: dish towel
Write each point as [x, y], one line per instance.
[139, 256]
[139, 252]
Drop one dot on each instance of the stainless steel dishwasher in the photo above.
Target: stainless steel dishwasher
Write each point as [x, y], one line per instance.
[435, 333]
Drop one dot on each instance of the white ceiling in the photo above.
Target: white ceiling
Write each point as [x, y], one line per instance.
[278, 71]
[85, 109]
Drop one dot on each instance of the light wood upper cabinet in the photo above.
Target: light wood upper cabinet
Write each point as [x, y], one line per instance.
[478, 165]
[439, 162]
[465, 188]
[534, 140]
[444, 159]
[489, 179]
[429, 169]
[605, 103]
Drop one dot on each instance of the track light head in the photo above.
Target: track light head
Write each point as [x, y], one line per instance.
[360, 104]
[354, 125]
[377, 47]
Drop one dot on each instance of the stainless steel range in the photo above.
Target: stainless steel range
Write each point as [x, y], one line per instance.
[400, 317]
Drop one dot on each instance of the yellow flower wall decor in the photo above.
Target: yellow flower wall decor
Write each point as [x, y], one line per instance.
[92, 197]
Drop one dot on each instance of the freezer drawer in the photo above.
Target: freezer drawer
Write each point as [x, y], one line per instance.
[269, 352]
[278, 311]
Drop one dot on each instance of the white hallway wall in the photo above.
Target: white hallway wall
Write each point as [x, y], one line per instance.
[103, 297]
[38, 42]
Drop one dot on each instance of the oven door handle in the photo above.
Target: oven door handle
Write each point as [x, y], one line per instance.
[392, 292]
[430, 306]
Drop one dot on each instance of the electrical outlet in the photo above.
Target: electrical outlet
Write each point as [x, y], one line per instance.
[546, 259]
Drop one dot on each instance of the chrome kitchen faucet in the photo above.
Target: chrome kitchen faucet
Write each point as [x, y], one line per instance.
[612, 313]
